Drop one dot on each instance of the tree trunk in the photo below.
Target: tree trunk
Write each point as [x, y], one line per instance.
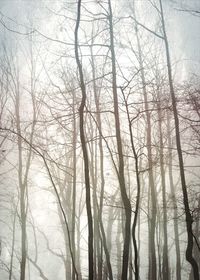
[197, 235]
[174, 202]
[153, 204]
[22, 188]
[189, 219]
[99, 232]
[74, 185]
[122, 184]
[100, 144]
[165, 263]
[136, 266]
[84, 148]
[13, 245]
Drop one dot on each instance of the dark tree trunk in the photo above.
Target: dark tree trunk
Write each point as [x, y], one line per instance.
[84, 148]
[100, 144]
[121, 177]
[99, 231]
[136, 266]
[188, 216]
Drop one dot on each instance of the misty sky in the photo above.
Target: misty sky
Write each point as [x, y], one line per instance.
[183, 28]
[18, 19]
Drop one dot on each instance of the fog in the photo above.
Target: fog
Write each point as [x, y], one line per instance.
[99, 139]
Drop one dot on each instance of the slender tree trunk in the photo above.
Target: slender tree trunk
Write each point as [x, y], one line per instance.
[78, 238]
[197, 235]
[22, 188]
[153, 204]
[136, 266]
[13, 245]
[189, 219]
[74, 185]
[159, 249]
[118, 246]
[68, 272]
[98, 224]
[125, 199]
[84, 148]
[174, 202]
[130, 265]
[105, 243]
[109, 233]
[139, 214]
[98, 119]
[93, 173]
[107, 253]
[24, 172]
[165, 263]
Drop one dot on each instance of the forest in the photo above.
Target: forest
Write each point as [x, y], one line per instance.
[99, 140]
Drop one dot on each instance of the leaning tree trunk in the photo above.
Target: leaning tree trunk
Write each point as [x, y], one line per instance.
[188, 216]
